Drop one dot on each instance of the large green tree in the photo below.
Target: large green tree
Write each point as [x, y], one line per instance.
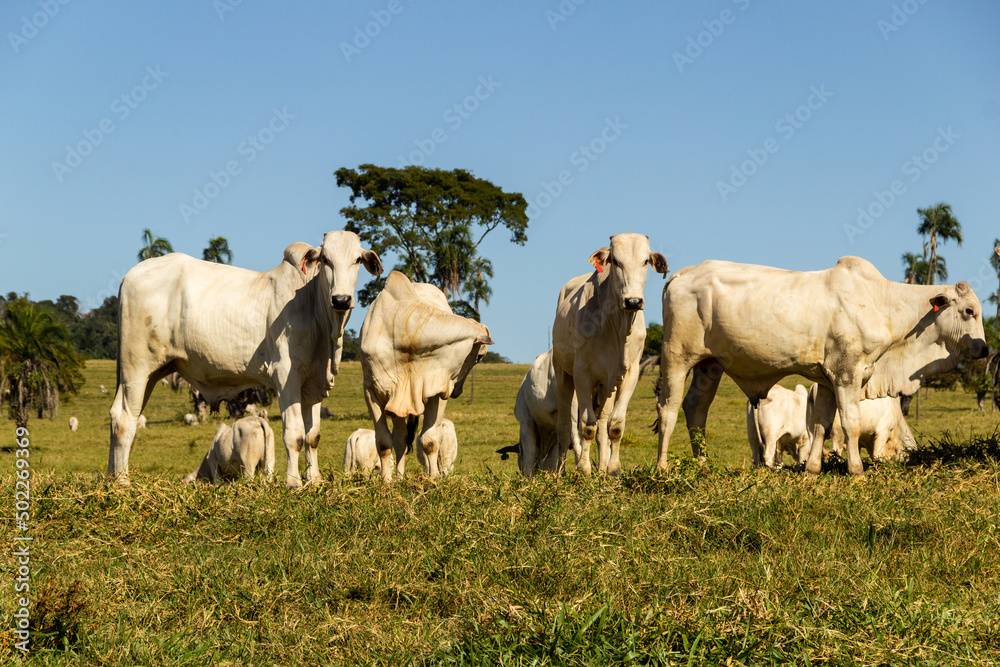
[433, 220]
[153, 246]
[940, 225]
[218, 251]
[37, 361]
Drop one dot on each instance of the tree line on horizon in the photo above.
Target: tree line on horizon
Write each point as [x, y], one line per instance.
[433, 221]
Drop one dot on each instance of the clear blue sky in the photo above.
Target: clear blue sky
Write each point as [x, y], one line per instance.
[643, 108]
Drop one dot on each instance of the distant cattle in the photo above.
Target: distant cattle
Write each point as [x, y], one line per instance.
[777, 425]
[103, 389]
[442, 442]
[190, 420]
[237, 451]
[759, 324]
[597, 341]
[226, 329]
[73, 424]
[415, 355]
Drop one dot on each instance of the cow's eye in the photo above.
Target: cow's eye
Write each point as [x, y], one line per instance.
[969, 312]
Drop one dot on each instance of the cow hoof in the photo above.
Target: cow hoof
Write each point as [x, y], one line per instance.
[292, 483]
[814, 469]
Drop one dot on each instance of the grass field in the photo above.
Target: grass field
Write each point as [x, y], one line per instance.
[710, 563]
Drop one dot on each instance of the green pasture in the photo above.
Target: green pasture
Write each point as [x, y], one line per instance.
[712, 562]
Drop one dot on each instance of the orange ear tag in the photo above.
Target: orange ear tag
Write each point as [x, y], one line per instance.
[304, 268]
[600, 269]
[936, 307]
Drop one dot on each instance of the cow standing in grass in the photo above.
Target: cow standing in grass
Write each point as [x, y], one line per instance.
[415, 355]
[226, 329]
[597, 341]
[759, 324]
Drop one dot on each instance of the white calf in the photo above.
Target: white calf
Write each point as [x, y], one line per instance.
[237, 450]
[438, 441]
[778, 425]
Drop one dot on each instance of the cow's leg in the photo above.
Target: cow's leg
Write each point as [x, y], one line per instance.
[772, 450]
[400, 443]
[603, 441]
[294, 434]
[753, 436]
[849, 410]
[311, 422]
[566, 421]
[704, 383]
[530, 442]
[432, 414]
[619, 401]
[590, 407]
[133, 393]
[383, 444]
[672, 374]
[822, 407]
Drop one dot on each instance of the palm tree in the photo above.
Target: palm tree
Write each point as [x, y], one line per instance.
[938, 222]
[916, 268]
[218, 251]
[995, 263]
[452, 256]
[37, 361]
[477, 287]
[155, 246]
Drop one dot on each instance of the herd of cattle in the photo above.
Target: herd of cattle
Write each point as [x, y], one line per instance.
[862, 339]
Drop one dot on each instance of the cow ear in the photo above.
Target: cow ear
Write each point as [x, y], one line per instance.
[310, 257]
[940, 301]
[600, 258]
[371, 261]
[659, 262]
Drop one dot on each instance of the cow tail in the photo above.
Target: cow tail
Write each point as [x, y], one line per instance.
[411, 433]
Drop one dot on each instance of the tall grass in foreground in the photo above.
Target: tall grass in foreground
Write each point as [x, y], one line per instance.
[700, 565]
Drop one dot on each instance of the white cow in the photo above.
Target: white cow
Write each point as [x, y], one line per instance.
[74, 423]
[778, 425]
[443, 441]
[189, 420]
[415, 354]
[141, 422]
[536, 410]
[360, 452]
[237, 451]
[759, 324]
[597, 341]
[884, 431]
[226, 329]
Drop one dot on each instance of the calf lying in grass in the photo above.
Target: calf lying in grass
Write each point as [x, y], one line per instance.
[236, 451]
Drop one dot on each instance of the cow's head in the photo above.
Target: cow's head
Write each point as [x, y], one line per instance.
[479, 347]
[339, 259]
[626, 261]
[958, 317]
